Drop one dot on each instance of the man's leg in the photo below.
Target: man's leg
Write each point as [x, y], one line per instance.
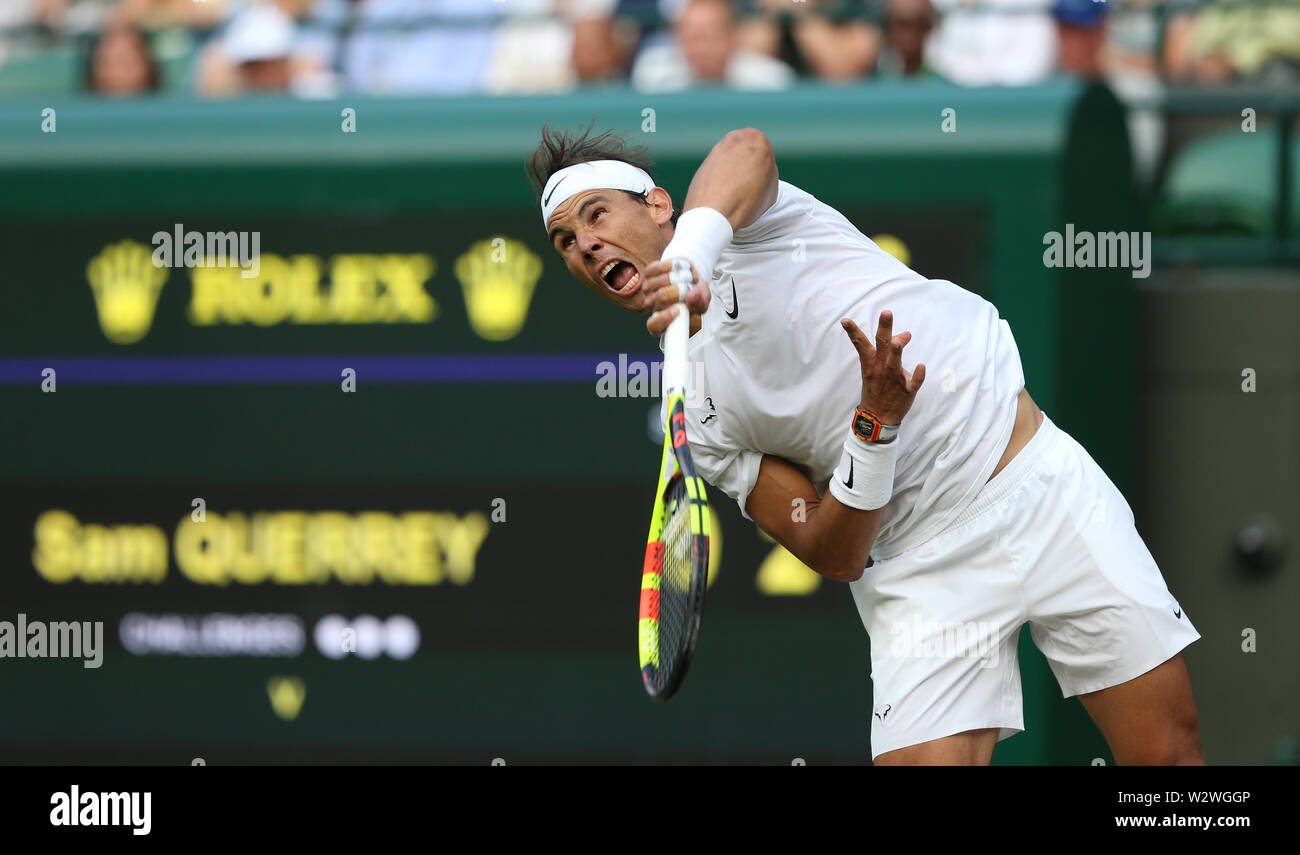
[1150, 720]
[1100, 611]
[971, 748]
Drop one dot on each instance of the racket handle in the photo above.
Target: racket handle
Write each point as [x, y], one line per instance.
[678, 333]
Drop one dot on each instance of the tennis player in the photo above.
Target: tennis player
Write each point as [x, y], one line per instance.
[946, 505]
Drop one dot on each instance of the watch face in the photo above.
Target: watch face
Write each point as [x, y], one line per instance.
[863, 426]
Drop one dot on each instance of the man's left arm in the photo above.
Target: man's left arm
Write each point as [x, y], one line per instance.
[833, 534]
[733, 187]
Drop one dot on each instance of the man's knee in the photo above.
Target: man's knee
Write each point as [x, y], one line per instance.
[1178, 744]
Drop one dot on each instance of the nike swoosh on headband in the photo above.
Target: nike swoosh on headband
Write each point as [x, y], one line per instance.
[547, 200]
[594, 175]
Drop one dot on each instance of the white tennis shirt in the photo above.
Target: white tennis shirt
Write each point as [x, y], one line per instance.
[774, 373]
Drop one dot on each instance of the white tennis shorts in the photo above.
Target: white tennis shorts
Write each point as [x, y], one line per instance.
[1049, 541]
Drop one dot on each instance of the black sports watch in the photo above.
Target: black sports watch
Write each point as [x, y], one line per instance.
[868, 427]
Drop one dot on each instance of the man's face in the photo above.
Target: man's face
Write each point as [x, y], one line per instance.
[266, 74]
[707, 37]
[910, 22]
[607, 239]
[120, 64]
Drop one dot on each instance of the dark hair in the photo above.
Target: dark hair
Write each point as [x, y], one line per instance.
[562, 149]
[153, 78]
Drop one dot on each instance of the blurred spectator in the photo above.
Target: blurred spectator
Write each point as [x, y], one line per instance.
[14, 17]
[203, 15]
[1226, 42]
[416, 47]
[829, 39]
[80, 17]
[50, 13]
[602, 44]
[118, 64]
[908, 23]
[1080, 34]
[533, 49]
[1132, 40]
[1002, 42]
[706, 51]
[1129, 60]
[322, 27]
[26, 21]
[65, 17]
[649, 15]
[553, 45]
[258, 51]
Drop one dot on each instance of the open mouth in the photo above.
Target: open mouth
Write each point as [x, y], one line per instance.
[621, 277]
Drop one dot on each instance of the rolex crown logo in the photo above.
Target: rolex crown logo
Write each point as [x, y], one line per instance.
[126, 285]
[497, 277]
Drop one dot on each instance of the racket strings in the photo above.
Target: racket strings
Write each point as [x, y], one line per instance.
[675, 581]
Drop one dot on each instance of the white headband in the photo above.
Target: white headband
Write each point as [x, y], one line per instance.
[592, 175]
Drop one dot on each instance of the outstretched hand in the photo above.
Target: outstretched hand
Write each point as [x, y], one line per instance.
[887, 389]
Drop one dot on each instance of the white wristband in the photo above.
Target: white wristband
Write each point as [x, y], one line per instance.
[865, 477]
[700, 237]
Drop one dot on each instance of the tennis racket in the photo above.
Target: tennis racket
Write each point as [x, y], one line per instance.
[677, 549]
